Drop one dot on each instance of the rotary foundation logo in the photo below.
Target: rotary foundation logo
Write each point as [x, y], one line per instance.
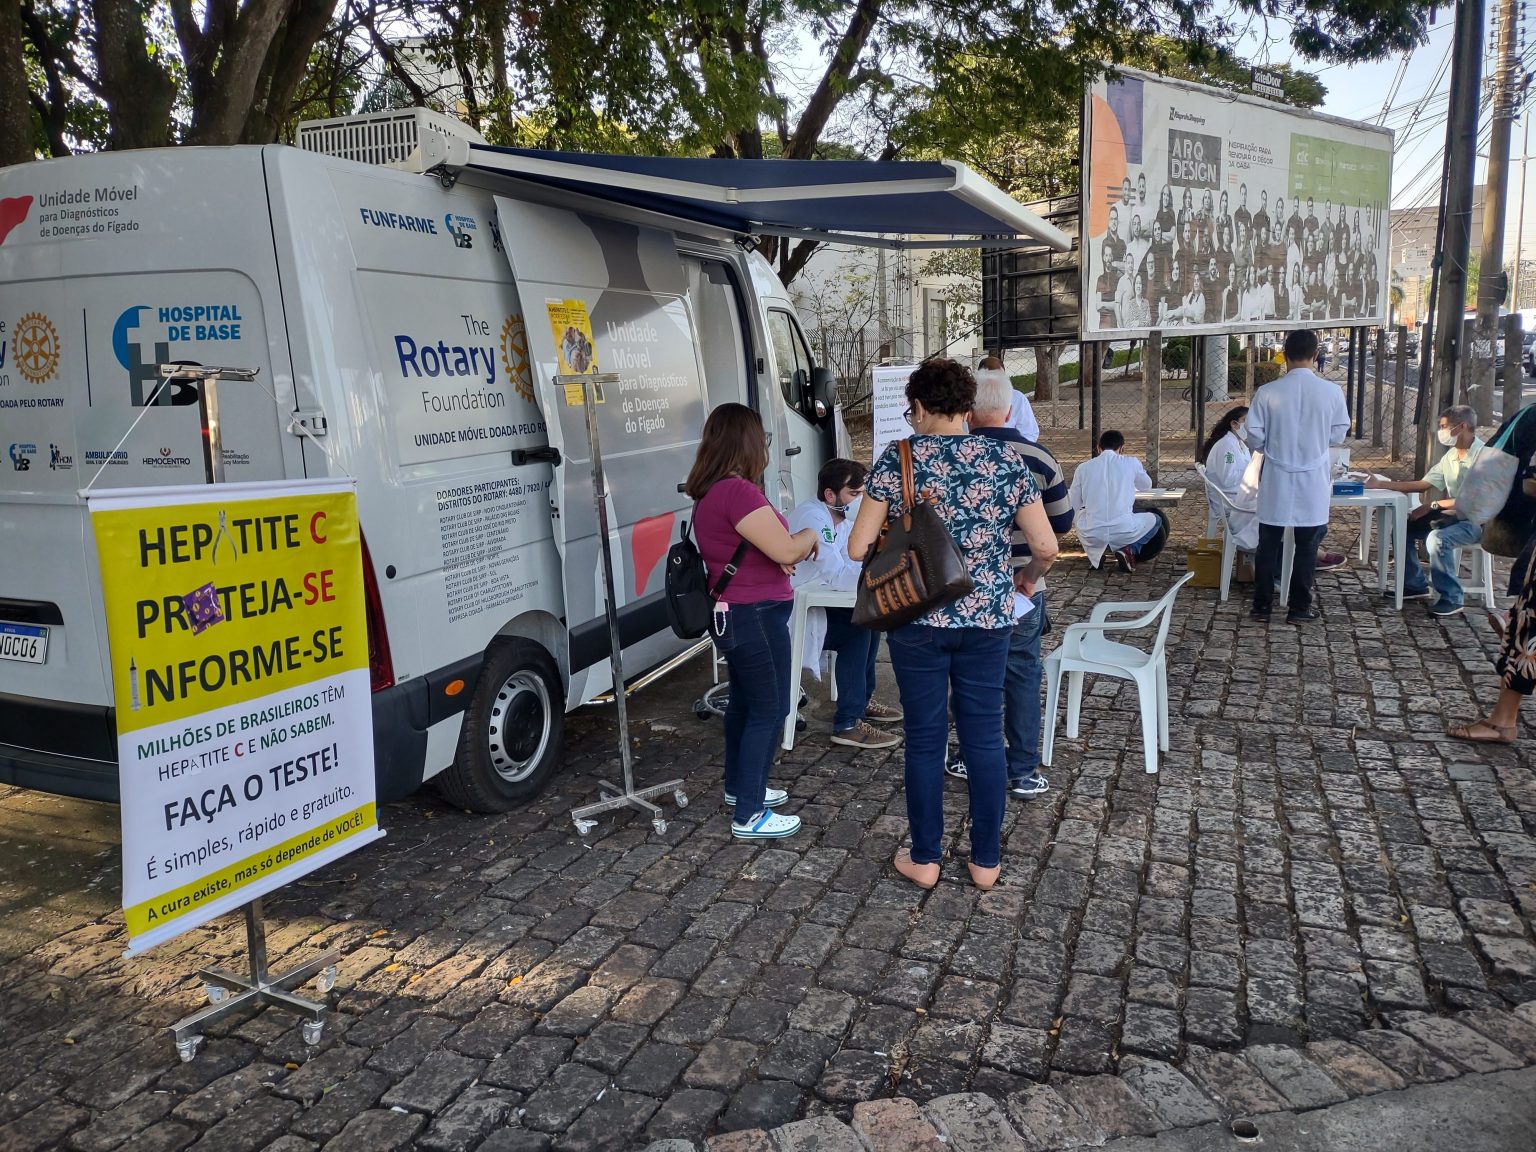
[35, 348]
[514, 356]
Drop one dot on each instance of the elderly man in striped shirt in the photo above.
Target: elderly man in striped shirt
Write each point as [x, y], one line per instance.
[1021, 687]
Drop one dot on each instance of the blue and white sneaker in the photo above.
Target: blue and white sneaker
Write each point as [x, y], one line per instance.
[771, 799]
[954, 764]
[766, 825]
[1032, 785]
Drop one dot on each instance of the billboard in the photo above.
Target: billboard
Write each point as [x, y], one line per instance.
[1206, 211]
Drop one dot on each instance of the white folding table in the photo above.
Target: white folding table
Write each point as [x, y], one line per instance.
[1393, 509]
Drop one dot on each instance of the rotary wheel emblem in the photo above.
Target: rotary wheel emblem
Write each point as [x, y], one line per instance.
[514, 357]
[36, 348]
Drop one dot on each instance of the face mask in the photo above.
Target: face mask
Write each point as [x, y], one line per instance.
[850, 509]
[1446, 437]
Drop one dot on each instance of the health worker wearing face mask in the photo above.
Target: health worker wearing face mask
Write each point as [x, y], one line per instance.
[1436, 521]
[1229, 466]
[841, 484]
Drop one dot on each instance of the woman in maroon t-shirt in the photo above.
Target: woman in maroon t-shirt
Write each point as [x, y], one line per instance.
[752, 619]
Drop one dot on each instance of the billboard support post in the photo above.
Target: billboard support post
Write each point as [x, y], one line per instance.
[1361, 338]
[1376, 401]
[1400, 393]
[1082, 395]
[1200, 395]
[1250, 354]
[1349, 385]
[1192, 345]
[1152, 379]
[1096, 368]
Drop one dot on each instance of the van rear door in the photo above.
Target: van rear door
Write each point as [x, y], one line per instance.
[117, 267]
[604, 296]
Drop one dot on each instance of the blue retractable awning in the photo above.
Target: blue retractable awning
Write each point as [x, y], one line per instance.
[848, 201]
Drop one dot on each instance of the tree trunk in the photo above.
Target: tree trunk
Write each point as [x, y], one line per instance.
[137, 92]
[1047, 371]
[15, 111]
[287, 61]
[222, 119]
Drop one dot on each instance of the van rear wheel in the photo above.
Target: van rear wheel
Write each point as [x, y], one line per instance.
[513, 731]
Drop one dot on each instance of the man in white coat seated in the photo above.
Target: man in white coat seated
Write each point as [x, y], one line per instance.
[841, 484]
[1293, 421]
[1021, 415]
[1103, 498]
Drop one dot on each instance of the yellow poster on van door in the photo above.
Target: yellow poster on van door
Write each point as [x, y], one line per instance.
[572, 329]
[239, 656]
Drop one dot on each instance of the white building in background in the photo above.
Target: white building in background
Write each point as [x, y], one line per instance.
[868, 306]
[442, 85]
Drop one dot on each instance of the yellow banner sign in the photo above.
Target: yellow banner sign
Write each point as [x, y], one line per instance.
[239, 651]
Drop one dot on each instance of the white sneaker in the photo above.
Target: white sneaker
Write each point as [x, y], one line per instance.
[771, 799]
[766, 825]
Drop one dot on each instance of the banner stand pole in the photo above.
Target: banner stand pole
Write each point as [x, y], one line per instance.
[227, 993]
[591, 394]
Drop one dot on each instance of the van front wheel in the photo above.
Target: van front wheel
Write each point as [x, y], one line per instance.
[513, 731]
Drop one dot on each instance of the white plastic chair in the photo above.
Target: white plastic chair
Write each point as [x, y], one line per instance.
[1087, 650]
[1480, 573]
[1221, 508]
[808, 596]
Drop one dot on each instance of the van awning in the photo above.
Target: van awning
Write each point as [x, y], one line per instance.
[893, 204]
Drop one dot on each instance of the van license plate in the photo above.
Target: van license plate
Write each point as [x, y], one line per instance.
[25, 642]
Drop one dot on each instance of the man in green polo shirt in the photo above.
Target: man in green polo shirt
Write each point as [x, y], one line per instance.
[1436, 521]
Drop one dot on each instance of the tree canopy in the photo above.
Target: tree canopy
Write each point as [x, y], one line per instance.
[992, 83]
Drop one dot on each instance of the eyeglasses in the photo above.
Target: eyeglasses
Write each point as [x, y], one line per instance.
[907, 416]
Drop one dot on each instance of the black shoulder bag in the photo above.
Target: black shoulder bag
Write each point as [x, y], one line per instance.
[690, 599]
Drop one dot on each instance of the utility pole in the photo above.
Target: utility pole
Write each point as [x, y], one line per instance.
[1525, 156]
[1455, 217]
[1493, 281]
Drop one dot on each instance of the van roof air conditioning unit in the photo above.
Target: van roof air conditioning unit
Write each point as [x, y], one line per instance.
[409, 139]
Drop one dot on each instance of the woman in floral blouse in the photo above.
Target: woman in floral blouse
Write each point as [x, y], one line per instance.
[957, 653]
[1516, 663]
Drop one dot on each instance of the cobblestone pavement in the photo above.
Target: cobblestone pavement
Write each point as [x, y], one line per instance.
[1317, 897]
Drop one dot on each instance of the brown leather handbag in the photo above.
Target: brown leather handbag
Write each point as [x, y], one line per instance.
[914, 567]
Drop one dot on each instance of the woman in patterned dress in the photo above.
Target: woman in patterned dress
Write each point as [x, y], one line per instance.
[1516, 662]
[957, 653]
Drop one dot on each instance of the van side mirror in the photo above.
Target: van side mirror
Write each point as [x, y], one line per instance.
[823, 392]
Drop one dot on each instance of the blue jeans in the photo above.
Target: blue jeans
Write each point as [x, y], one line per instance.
[855, 671]
[966, 666]
[1441, 542]
[756, 650]
[1021, 693]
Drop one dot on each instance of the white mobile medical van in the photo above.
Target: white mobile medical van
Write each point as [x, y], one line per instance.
[408, 295]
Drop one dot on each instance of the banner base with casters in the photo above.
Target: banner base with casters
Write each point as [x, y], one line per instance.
[229, 994]
[587, 391]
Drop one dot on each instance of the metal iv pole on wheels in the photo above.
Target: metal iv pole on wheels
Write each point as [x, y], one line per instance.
[228, 993]
[587, 390]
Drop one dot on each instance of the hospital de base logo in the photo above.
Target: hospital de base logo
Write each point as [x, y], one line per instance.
[514, 356]
[35, 348]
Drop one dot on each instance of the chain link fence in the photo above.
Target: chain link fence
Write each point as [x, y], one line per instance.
[1377, 370]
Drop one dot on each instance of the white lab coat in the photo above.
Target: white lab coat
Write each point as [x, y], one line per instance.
[1022, 417]
[1293, 421]
[1230, 468]
[1103, 498]
[832, 567]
